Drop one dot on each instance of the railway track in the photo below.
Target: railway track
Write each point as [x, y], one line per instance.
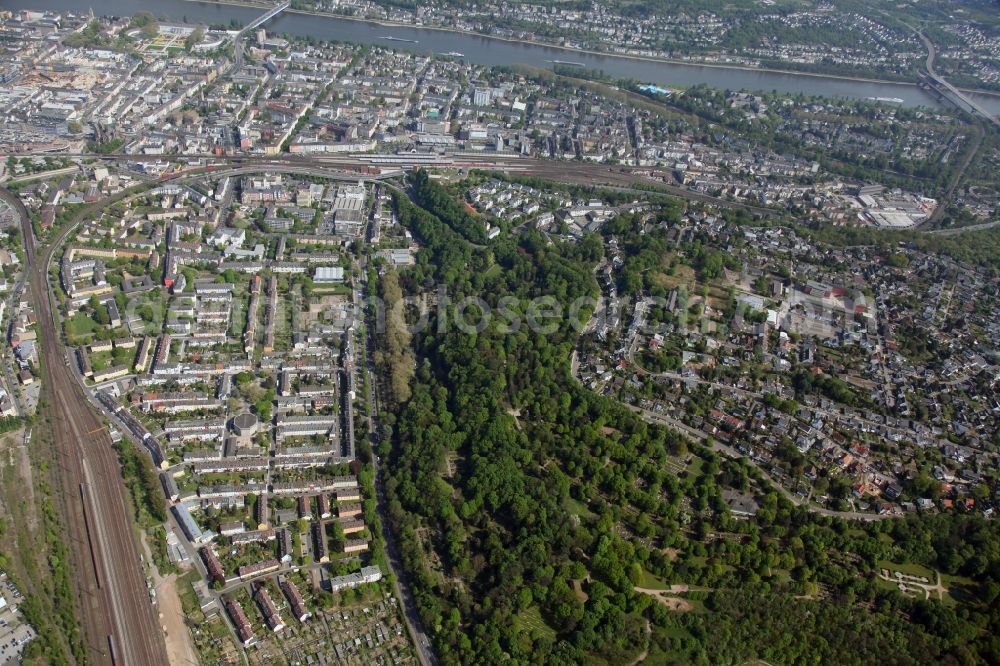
[114, 608]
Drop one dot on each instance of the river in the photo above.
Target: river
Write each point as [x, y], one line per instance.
[489, 51]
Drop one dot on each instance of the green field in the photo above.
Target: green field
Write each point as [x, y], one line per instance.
[958, 588]
[577, 508]
[189, 600]
[909, 569]
[530, 620]
[80, 329]
[683, 275]
[493, 271]
[651, 582]
[100, 361]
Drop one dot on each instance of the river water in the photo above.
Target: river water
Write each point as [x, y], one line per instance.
[488, 51]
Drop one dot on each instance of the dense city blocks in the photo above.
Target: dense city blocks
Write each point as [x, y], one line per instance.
[459, 332]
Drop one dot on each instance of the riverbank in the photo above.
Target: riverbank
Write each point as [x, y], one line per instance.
[591, 52]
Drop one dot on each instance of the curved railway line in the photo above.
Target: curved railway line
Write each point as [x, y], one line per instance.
[114, 607]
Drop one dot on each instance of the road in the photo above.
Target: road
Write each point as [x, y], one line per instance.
[402, 588]
[5, 364]
[622, 178]
[256, 23]
[963, 230]
[941, 82]
[113, 596]
[719, 447]
[110, 584]
[958, 99]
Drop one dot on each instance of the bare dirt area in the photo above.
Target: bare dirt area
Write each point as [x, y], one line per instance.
[180, 649]
[170, 613]
[665, 597]
[676, 603]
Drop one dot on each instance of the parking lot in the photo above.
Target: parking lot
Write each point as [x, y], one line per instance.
[14, 633]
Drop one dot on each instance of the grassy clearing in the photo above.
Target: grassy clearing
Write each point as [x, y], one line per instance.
[100, 361]
[683, 275]
[961, 590]
[886, 584]
[189, 600]
[651, 582]
[958, 589]
[80, 329]
[782, 575]
[694, 469]
[910, 570]
[492, 271]
[577, 508]
[660, 646]
[530, 620]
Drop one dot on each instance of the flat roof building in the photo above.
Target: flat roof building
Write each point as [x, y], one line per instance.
[328, 275]
[367, 575]
[190, 527]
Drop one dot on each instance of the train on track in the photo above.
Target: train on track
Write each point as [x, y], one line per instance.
[111, 649]
[90, 536]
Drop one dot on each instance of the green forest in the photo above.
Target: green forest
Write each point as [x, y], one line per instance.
[529, 510]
